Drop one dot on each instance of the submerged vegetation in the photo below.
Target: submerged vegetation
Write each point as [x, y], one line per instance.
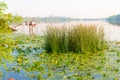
[75, 38]
[27, 60]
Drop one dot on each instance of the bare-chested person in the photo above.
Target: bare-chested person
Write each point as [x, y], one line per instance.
[31, 25]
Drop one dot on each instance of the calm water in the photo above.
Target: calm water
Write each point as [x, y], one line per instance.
[112, 29]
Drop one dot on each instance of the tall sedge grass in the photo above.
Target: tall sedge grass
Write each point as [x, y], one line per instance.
[75, 38]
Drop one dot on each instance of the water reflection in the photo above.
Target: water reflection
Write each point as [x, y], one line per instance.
[114, 22]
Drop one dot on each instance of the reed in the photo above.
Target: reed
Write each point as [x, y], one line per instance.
[75, 38]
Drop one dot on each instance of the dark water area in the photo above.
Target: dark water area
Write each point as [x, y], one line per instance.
[114, 22]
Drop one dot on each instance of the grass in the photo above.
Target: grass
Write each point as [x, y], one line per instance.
[75, 38]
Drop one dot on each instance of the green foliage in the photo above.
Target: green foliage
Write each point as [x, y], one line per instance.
[4, 18]
[16, 20]
[6, 48]
[9, 42]
[79, 38]
[4, 27]
[7, 19]
[3, 7]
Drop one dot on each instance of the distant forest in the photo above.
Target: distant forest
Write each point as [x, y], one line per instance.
[114, 18]
[50, 19]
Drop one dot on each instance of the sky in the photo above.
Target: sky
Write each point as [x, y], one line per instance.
[64, 8]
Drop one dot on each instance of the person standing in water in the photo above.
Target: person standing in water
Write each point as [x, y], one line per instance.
[31, 25]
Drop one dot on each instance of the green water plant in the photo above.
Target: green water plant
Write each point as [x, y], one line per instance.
[74, 38]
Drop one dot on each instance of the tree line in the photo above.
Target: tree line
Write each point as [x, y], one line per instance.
[114, 18]
[50, 19]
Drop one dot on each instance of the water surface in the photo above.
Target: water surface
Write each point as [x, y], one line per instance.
[112, 30]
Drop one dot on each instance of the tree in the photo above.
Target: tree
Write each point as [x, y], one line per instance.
[16, 19]
[3, 7]
[7, 19]
[114, 18]
[4, 27]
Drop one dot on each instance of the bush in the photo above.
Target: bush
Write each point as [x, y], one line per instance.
[4, 27]
[7, 19]
[79, 38]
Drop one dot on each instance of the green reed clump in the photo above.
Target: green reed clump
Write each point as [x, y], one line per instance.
[75, 38]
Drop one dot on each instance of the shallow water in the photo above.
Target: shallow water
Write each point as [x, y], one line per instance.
[25, 59]
[35, 65]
